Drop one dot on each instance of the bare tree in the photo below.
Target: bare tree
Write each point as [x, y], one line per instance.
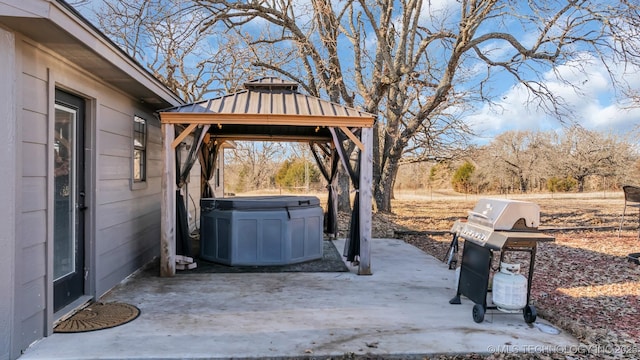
[385, 78]
[417, 66]
[525, 159]
[253, 165]
[581, 153]
[515, 155]
[412, 63]
[191, 61]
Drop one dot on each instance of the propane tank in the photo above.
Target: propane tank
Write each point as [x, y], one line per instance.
[509, 288]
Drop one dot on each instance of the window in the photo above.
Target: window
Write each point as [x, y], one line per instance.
[139, 150]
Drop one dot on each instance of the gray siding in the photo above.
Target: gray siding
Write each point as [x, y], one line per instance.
[123, 225]
[194, 197]
[8, 201]
[127, 221]
[31, 244]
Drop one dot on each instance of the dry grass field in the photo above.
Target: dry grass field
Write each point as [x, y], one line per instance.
[582, 282]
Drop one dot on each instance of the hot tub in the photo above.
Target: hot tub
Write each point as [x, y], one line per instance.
[261, 230]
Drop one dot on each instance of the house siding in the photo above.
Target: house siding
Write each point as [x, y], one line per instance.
[193, 201]
[123, 225]
[128, 221]
[8, 201]
[31, 242]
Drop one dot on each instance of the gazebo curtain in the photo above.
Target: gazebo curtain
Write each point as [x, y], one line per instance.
[331, 216]
[183, 238]
[352, 246]
[208, 155]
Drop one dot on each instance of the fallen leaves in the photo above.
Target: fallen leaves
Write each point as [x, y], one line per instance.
[630, 288]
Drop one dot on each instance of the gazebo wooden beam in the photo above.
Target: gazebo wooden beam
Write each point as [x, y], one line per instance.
[336, 142]
[265, 119]
[287, 138]
[183, 135]
[352, 136]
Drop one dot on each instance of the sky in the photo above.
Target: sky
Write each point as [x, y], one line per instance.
[593, 105]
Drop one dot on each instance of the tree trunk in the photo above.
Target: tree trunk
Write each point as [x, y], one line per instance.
[580, 180]
[393, 193]
[523, 184]
[377, 195]
[344, 200]
[383, 190]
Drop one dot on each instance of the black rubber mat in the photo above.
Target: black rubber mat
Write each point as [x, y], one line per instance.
[331, 261]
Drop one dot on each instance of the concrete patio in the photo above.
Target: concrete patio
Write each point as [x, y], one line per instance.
[401, 311]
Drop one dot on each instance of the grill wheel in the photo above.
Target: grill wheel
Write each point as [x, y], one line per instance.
[478, 313]
[529, 313]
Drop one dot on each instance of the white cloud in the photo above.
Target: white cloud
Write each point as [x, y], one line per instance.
[435, 6]
[436, 12]
[612, 118]
[513, 112]
[592, 104]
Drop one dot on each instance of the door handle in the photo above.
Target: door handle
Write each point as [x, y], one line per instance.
[81, 207]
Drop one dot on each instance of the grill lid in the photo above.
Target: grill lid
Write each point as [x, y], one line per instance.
[505, 214]
[494, 223]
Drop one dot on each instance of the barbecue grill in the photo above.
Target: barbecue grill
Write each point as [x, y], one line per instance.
[495, 225]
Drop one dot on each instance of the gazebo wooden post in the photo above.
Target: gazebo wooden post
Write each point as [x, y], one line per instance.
[334, 193]
[168, 206]
[366, 181]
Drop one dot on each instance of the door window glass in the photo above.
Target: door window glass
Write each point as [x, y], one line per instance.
[64, 188]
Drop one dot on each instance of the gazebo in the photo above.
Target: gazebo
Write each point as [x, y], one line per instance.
[269, 109]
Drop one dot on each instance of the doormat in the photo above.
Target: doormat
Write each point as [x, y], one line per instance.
[331, 261]
[98, 316]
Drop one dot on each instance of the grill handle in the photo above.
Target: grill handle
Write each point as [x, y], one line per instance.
[480, 215]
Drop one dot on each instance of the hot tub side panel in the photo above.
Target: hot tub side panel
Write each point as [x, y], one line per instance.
[215, 235]
[261, 237]
[306, 226]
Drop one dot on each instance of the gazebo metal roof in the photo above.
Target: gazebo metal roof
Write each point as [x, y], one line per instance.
[268, 109]
[270, 96]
